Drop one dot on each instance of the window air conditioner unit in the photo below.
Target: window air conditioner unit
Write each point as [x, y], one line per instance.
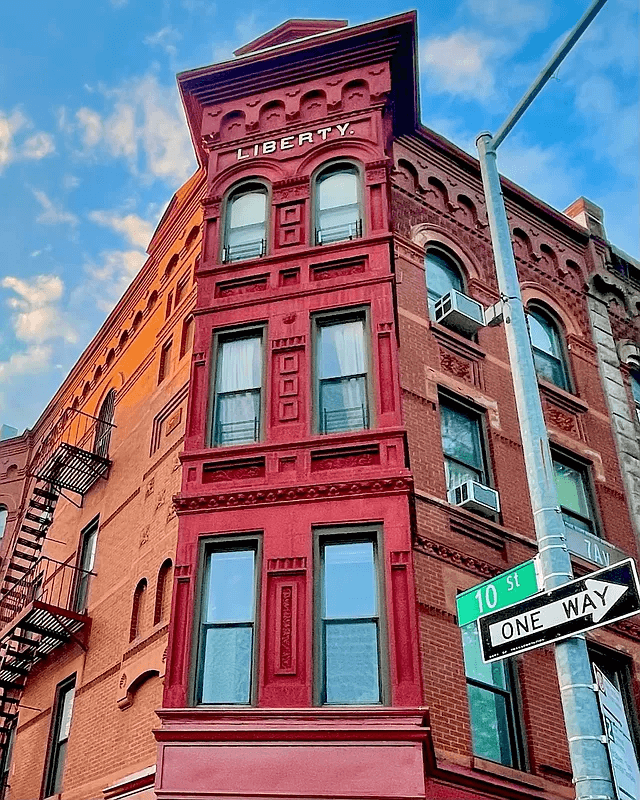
[457, 311]
[475, 497]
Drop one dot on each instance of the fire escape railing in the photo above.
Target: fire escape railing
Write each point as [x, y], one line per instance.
[75, 453]
[51, 583]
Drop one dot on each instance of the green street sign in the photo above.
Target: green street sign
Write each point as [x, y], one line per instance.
[505, 589]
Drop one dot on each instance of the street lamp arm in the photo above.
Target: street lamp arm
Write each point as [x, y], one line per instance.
[539, 83]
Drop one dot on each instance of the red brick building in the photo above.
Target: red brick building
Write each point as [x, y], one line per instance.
[314, 648]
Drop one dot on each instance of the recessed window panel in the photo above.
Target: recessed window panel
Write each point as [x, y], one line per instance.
[574, 496]
[342, 375]
[461, 445]
[442, 276]
[246, 225]
[548, 354]
[227, 626]
[350, 623]
[492, 709]
[238, 391]
[338, 205]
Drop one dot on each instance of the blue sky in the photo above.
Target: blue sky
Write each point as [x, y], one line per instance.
[93, 141]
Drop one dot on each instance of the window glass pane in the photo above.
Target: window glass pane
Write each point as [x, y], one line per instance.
[343, 404]
[490, 725]
[239, 364]
[457, 474]
[3, 520]
[635, 387]
[230, 595]
[66, 710]
[461, 437]
[349, 580]
[341, 349]
[337, 189]
[441, 278]
[58, 769]
[237, 418]
[248, 209]
[571, 489]
[492, 674]
[543, 335]
[226, 676]
[351, 653]
[549, 368]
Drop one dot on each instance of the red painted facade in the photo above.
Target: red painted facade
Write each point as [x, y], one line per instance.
[347, 95]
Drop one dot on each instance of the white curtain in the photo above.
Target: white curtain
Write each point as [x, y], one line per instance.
[239, 365]
[342, 355]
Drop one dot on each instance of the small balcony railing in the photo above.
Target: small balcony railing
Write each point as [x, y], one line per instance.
[339, 233]
[244, 251]
[75, 452]
[49, 590]
[230, 433]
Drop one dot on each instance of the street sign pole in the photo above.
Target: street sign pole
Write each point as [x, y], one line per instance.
[589, 760]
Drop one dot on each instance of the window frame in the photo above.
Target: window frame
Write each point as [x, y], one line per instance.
[470, 410]
[323, 318]
[441, 252]
[219, 337]
[164, 367]
[349, 534]
[250, 540]
[52, 764]
[237, 190]
[329, 167]
[583, 468]
[634, 380]
[513, 705]
[84, 581]
[560, 336]
[4, 520]
[607, 659]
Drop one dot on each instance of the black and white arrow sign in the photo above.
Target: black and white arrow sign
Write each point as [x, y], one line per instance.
[597, 599]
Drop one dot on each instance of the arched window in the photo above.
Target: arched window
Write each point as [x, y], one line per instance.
[443, 275]
[137, 610]
[4, 513]
[104, 425]
[245, 223]
[163, 593]
[548, 350]
[635, 391]
[338, 213]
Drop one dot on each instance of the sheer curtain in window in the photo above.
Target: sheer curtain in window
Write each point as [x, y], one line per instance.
[342, 373]
[238, 382]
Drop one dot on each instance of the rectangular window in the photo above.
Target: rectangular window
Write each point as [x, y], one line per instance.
[492, 706]
[165, 361]
[86, 560]
[186, 340]
[462, 444]
[238, 389]
[349, 621]
[342, 372]
[181, 291]
[574, 495]
[227, 623]
[59, 736]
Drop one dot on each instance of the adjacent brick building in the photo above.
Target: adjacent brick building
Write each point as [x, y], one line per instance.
[314, 649]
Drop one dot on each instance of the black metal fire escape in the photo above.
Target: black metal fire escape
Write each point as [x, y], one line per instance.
[40, 597]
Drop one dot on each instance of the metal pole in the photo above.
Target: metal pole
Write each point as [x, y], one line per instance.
[537, 86]
[589, 761]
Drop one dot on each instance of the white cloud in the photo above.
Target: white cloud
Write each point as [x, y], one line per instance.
[91, 123]
[528, 14]
[71, 182]
[461, 64]
[37, 317]
[10, 124]
[118, 3]
[38, 146]
[33, 360]
[166, 38]
[135, 230]
[109, 278]
[145, 125]
[51, 213]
